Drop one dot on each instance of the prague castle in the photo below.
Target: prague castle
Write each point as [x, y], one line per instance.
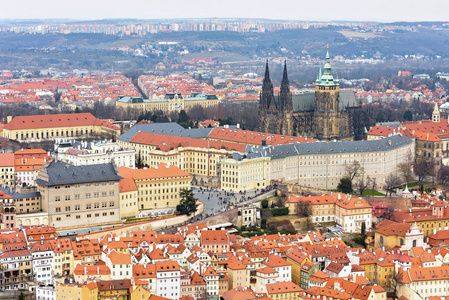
[325, 114]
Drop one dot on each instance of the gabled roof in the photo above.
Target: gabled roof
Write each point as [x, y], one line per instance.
[388, 227]
[161, 171]
[283, 287]
[118, 258]
[110, 285]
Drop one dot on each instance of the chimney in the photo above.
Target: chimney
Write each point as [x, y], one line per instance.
[8, 119]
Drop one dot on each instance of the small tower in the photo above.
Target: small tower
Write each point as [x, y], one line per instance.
[436, 114]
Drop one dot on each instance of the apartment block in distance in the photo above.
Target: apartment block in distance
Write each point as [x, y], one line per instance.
[74, 195]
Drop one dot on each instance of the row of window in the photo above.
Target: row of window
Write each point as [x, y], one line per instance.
[88, 206]
[88, 215]
[87, 196]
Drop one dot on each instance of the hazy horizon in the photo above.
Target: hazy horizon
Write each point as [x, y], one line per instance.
[321, 11]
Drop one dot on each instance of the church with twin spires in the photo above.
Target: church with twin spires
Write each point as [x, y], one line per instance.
[325, 114]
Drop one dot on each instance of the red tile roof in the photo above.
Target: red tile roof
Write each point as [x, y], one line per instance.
[167, 143]
[6, 159]
[162, 171]
[51, 121]
[255, 138]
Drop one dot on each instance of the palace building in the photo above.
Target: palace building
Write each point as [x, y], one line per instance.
[49, 127]
[325, 114]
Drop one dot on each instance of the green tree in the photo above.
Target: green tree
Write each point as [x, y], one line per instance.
[139, 162]
[380, 117]
[345, 185]
[21, 296]
[363, 230]
[264, 203]
[408, 116]
[187, 205]
[183, 118]
[263, 223]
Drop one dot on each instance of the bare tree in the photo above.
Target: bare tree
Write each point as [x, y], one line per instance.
[353, 170]
[394, 282]
[443, 175]
[196, 113]
[304, 208]
[391, 182]
[362, 184]
[405, 169]
[373, 184]
[424, 168]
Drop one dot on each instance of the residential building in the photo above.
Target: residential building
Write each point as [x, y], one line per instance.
[215, 241]
[119, 289]
[83, 273]
[297, 259]
[119, 263]
[307, 270]
[280, 265]
[347, 211]
[7, 164]
[423, 283]
[27, 164]
[7, 211]
[72, 291]
[168, 278]
[248, 216]
[16, 269]
[284, 291]
[43, 256]
[86, 252]
[26, 200]
[63, 257]
[45, 293]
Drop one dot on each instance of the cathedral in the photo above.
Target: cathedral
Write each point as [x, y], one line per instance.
[326, 114]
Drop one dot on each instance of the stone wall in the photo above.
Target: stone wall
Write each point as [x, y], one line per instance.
[155, 225]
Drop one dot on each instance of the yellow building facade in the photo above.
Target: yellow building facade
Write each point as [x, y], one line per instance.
[77, 292]
[158, 187]
[170, 103]
[245, 174]
[48, 127]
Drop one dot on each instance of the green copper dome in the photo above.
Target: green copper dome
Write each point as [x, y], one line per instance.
[326, 78]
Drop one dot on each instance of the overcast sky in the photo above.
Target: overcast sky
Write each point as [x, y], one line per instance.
[316, 10]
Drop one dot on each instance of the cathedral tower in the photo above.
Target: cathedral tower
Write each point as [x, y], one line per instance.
[329, 121]
[267, 95]
[267, 105]
[285, 95]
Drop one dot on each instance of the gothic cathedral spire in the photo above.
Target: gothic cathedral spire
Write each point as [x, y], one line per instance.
[285, 96]
[267, 94]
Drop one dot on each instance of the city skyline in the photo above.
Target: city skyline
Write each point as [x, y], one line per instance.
[347, 10]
